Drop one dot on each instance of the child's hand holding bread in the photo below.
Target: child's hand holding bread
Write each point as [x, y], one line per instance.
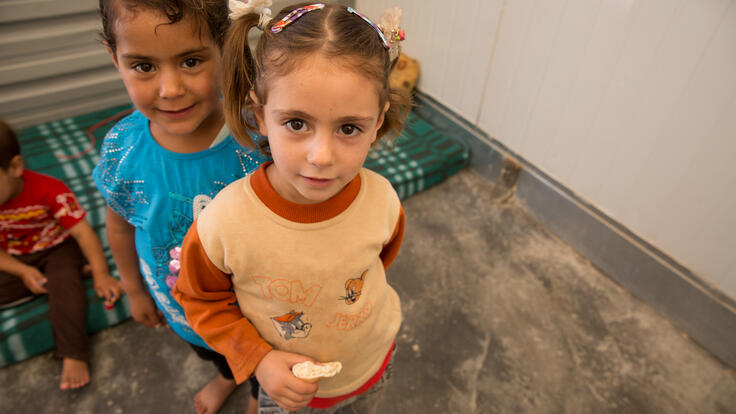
[311, 372]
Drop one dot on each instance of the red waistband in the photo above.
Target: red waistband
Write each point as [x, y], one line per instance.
[329, 402]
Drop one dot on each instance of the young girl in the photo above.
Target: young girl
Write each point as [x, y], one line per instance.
[160, 166]
[317, 86]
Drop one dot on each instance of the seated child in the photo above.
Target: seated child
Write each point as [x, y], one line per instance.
[44, 241]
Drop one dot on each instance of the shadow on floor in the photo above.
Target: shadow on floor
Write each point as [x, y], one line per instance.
[499, 317]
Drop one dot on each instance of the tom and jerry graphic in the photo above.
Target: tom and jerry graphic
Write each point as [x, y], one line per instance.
[293, 324]
[290, 325]
[353, 289]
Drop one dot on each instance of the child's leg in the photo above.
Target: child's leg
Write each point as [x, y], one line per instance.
[268, 406]
[12, 290]
[255, 387]
[367, 403]
[67, 300]
[67, 311]
[210, 398]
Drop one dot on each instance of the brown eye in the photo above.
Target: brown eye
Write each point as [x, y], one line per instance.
[349, 130]
[296, 125]
[190, 63]
[143, 67]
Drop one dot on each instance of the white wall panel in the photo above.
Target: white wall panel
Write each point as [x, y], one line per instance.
[618, 141]
[602, 52]
[629, 103]
[469, 52]
[703, 117]
[711, 223]
[455, 55]
[664, 85]
[543, 28]
[542, 139]
[514, 26]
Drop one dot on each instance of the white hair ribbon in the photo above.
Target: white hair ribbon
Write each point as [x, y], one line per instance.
[391, 27]
[260, 7]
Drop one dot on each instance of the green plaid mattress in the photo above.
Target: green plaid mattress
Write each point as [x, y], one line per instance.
[418, 159]
[68, 149]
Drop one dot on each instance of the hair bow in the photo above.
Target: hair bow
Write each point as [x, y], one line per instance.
[391, 27]
[260, 7]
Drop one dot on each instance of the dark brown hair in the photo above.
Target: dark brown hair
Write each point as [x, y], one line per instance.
[210, 14]
[333, 32]
[9, 146]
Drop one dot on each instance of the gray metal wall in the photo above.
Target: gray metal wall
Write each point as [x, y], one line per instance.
[52, 64]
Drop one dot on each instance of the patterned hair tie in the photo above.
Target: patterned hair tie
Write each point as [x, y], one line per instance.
[294, 15]
[386, 44]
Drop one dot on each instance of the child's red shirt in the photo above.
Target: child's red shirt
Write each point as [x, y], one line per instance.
[40, 216]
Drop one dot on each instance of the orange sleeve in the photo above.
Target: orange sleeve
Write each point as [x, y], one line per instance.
[212, 310]
[391, 249]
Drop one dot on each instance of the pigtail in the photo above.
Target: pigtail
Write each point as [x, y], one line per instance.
[393, 122]
[239, 73]
[400, 99]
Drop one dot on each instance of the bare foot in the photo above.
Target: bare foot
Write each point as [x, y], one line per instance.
[74, 374]
[252, 406]
[210, 398]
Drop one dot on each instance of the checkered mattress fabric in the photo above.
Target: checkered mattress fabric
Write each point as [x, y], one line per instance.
[68, 149]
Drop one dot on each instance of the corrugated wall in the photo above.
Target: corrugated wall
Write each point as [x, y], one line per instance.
[52, 64]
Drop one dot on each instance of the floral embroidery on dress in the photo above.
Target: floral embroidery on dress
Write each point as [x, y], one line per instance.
[122, 195]
[174, 266]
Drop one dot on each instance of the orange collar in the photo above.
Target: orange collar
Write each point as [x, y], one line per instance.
[302, 213]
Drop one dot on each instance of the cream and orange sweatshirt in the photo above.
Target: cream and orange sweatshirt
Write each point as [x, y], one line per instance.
[259, 273]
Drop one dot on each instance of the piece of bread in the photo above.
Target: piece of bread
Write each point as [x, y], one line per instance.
[311, 372]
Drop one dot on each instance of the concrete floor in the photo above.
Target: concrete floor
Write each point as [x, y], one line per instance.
[500, 317]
